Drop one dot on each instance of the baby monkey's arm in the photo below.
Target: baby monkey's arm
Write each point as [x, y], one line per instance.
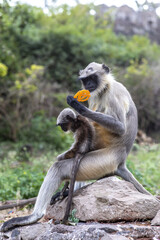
[81, 124]
[67, 155]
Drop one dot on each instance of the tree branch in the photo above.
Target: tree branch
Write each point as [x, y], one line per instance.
[16, 203]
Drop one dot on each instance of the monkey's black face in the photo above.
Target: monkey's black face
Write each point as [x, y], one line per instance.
[64, 126]
[90, 83]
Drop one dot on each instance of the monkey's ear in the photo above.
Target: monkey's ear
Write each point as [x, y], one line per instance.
[105, 67]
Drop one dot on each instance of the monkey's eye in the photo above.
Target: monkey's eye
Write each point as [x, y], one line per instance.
[90, 69]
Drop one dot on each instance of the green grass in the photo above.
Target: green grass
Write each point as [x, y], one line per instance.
[144, 163]
[21, 174]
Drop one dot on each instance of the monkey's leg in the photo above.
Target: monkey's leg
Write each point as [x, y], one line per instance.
[65, 187]
[79, 185]
[124, 173]
[93, 166]
[71, 189]
[60, 195]
[107, 162]
[97, 164]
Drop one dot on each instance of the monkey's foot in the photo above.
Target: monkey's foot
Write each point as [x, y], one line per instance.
[59, 196]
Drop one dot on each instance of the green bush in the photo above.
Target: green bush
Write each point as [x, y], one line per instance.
[29, 37]
[63, 47]
[43, 129]
[20, 183]
[3, 70]
[19, 102]
[142, 80]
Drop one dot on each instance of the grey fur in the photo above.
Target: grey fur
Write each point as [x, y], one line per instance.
[62, 117]
[83, 133]
[92, 68]
[118, 116]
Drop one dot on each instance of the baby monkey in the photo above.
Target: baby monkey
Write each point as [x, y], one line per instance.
[84, 142]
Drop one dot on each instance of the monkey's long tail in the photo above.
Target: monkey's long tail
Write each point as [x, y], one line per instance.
[76, 163]
[20, 221]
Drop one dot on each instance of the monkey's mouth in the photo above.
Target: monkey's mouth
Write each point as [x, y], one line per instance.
[64, 126]
[90, 89]
[65, 129]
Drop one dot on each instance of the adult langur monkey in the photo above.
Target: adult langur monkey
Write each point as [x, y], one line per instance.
[114, 117]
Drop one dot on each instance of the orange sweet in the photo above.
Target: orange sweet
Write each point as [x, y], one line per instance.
[82, 95]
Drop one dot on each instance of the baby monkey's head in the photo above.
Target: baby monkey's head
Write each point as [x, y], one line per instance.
[67, 120]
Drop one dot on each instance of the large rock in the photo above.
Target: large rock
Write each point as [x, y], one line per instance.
[110, 200]
[156, 220]
[130, 22]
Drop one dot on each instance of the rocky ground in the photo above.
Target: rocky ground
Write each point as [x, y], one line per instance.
[109, 209]
[85, 231]
[15, 212]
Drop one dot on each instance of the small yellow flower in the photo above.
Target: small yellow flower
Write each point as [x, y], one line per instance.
[24, 173]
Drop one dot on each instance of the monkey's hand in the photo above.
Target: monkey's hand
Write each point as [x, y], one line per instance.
[67, 155]
[76, 105]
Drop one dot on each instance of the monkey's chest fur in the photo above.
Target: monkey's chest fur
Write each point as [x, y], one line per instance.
[103, 137]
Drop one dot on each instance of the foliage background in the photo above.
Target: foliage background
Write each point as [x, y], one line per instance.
[40, 57]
